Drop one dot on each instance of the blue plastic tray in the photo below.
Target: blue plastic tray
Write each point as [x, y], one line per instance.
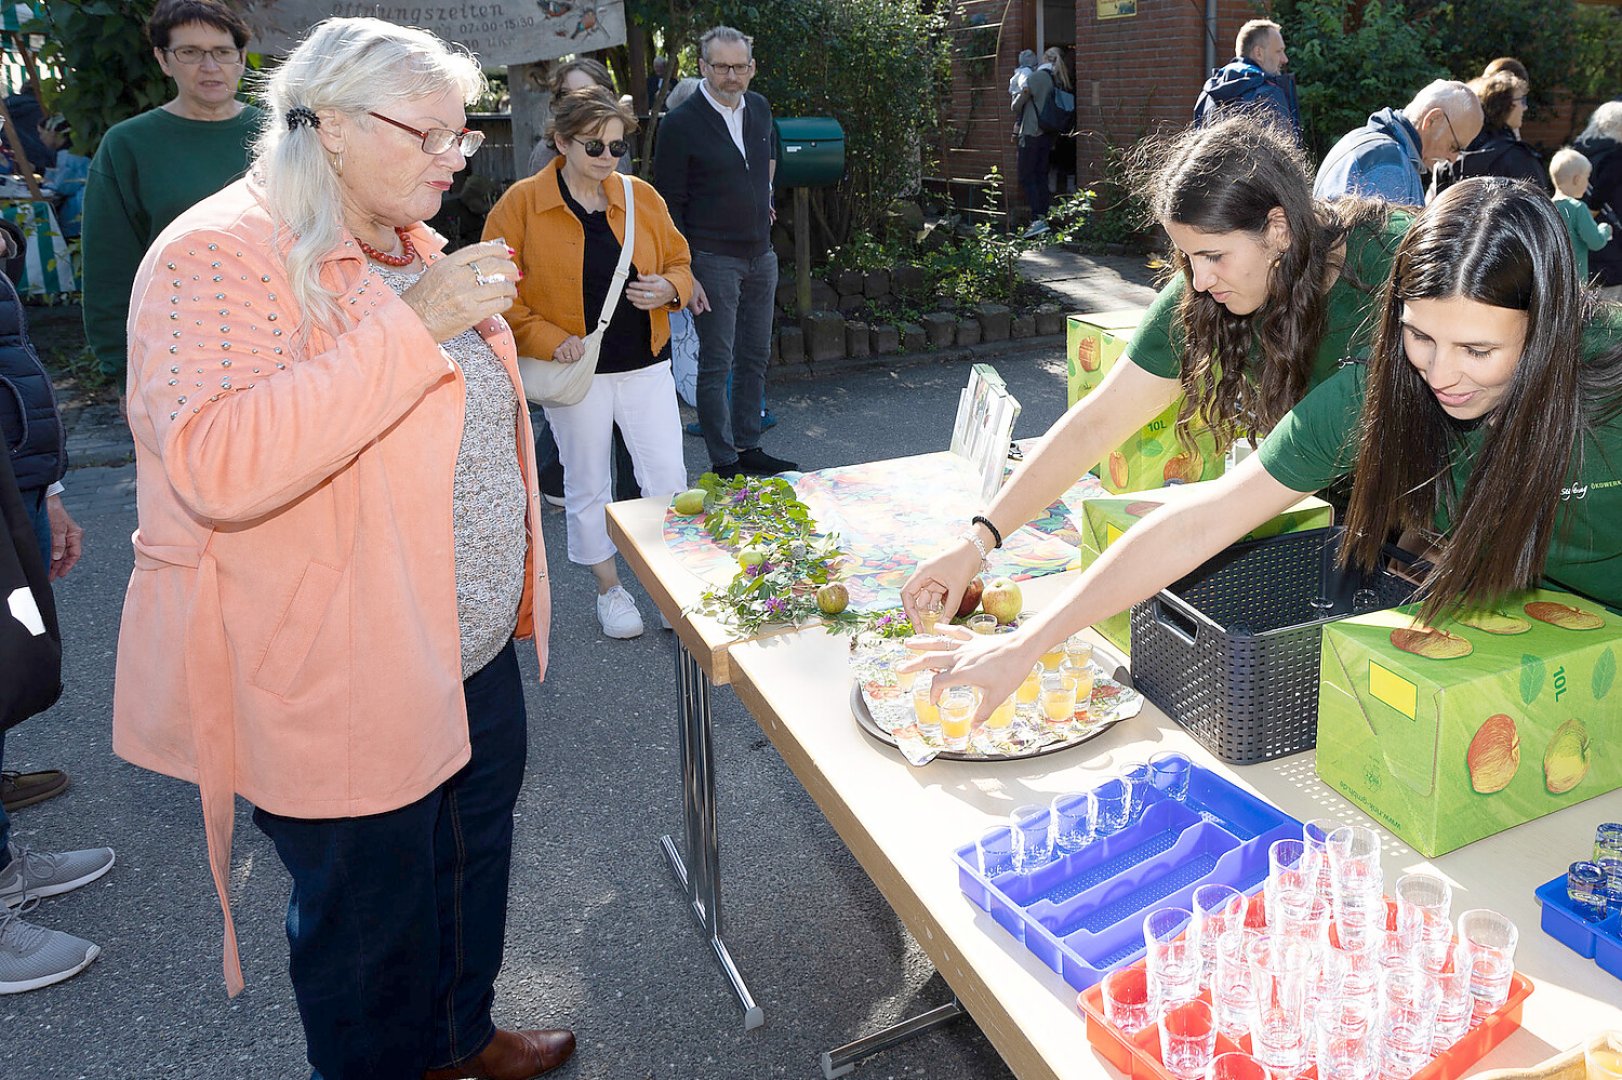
[1600, 941]
[1082, 914]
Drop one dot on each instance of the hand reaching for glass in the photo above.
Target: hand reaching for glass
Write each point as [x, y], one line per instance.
[995, 663]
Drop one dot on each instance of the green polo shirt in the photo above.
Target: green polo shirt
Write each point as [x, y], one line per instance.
[1316, 444]
[1157, 346]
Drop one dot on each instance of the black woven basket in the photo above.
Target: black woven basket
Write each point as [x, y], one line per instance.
[1231, 651]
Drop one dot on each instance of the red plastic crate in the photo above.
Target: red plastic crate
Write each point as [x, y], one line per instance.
[1138, 1056]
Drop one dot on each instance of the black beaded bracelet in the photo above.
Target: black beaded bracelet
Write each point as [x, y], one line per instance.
[996, 537]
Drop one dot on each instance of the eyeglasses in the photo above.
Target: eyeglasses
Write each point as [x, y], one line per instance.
[225, 55]
[1521, 101]
[438, 140]
[730, 70]
[1458, 147]
[595, 147]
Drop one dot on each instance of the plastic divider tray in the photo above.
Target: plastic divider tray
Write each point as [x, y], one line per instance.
[1599, 941]
[1082, 914]
[1138, 1055]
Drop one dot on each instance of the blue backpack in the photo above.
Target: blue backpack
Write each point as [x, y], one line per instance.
[1057, 116]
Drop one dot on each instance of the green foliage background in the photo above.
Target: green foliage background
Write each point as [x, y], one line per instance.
[112, 73]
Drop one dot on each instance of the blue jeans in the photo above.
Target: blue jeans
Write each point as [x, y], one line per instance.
[734, 340]
[396, 922]
[34, 503]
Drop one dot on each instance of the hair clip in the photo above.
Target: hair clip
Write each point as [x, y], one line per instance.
[300, 115]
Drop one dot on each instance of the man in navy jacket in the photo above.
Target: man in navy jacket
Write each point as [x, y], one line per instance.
[714, 165]
[1254, 79]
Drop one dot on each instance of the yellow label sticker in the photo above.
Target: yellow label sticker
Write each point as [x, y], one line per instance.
[1393, 689]
[1112, 534]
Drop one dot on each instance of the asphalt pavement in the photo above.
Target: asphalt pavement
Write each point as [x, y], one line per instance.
[597, 937]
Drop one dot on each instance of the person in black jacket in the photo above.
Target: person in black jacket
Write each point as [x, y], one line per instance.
[1498, 150]
[31, 956]
[714, 166]
[1254, 79]
[1601, 144]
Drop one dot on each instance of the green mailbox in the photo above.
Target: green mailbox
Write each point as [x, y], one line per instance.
[810, 151]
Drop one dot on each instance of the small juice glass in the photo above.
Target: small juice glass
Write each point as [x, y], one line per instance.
[1080, 677]
[957, 708]
[1031, 689]
[1002, 716]
[1058, 701]
[1053, 657]
[928, 713]
[929, 613]
[1077, 650]
[983, 623]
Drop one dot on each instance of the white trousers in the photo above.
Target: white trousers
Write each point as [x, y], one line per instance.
[643, 404]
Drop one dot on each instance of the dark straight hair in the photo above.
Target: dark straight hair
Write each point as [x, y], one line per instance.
[1498, 242]
[1226, 178]
[170, 14]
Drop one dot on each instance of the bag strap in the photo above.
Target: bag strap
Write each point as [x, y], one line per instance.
[622, 271]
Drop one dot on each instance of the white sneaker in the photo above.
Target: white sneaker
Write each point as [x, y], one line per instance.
[617, 612]
[1037, 228]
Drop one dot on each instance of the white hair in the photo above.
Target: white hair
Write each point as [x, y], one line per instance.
[1454, 98]
[683, 90]
[1027, 58]
[1606, 123]
[1567, 165]
[727, 34]
[351, 66]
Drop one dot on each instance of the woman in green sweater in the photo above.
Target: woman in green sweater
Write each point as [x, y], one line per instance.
[1488, 416]
[152, 167]
[1271, 291]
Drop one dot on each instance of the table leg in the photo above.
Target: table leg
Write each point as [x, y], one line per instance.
[696, 862]
[843, 1060]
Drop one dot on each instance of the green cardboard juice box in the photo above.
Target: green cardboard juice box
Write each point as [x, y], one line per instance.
[1153, 457]
[1450, 734]
[1104, 519]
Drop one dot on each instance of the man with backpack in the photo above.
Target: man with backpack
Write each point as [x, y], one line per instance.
[1046, 109]
[1253, 80]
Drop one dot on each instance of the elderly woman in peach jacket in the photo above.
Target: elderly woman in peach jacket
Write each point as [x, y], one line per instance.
[339, 539]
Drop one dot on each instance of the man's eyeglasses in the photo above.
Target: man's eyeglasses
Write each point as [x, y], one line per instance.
[730, 70]
[225, 56]
[595, 147]
[1458, 147]
[438, 140]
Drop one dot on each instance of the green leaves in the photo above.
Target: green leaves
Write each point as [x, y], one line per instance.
[1604, 676]
[109, 71]
[1532, 676]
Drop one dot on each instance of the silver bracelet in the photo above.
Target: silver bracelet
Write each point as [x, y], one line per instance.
[979, 545]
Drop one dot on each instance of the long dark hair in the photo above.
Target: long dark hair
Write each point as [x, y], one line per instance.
[1498, 242]
[1227, 178]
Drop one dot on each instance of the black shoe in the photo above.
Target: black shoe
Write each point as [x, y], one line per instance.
[726, 472]
[757, 462]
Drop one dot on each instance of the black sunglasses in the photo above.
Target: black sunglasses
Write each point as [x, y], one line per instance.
[595, 147]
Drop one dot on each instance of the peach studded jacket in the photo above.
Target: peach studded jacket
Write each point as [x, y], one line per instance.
[290, 630]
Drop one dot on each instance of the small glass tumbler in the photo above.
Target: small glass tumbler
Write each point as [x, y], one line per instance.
[1231, 990]
[1033, 837]
[1074, 816]
[1603, 1056]
[1347, 1030]
[1453, 1006]
[1129, 1001]
[1360, 917]
[1058, 701]
[1237, 1065]
[1322, 607]
[958, 705]
[1141, 780]
[929, 614]
[1170, 771]
[1424, 914]
[1292, 871]
[1080, 678]
[1218, 910]
[1304, 916]
[1608, 845]
[1365, 600]
[1113, 802]
[983, 623]
[1279, 972]
[996, 847]
[1077, 650]
[1187, 1039]
[1587, 889]
[1316, 834]
[1356, 878]
[1173, 957]
[1407, 1021]
[927, 712]
[1490, 939]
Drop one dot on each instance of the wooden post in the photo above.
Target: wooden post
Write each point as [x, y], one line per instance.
[802, 249]
[531, 104]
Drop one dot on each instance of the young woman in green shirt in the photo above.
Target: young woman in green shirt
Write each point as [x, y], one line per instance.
[1489, 414]
[1271, 290]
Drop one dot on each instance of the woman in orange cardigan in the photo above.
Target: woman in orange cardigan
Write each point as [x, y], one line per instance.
[567, 224]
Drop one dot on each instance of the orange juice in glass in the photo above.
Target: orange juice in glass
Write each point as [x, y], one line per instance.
[1053, 657]
[957, 707]
[929, 613]
[1080, 676]
[1031, 689]
[1058, 700]
[1077, 650]
[1002, 716]
[929, 715]
[983, 623]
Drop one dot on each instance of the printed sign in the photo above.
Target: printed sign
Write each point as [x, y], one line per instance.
[1117, 9]
[498, 32]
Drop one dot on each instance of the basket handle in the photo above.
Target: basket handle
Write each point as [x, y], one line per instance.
[1176, 622]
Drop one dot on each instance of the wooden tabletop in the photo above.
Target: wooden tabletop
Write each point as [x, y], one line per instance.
[901, 823]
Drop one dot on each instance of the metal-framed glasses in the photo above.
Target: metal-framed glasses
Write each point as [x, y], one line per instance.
[729, 70]
[224, 55]
[438, 140]
[1458, 147]
[595, 147]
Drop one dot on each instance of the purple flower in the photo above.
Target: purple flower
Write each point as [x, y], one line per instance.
[777, 607]
[756, 570]
[741, 497]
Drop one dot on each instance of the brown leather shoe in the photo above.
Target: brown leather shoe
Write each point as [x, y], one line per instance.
[20, 789]
[513, 1055]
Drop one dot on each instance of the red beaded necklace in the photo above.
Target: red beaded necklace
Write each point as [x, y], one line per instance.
[408, 251]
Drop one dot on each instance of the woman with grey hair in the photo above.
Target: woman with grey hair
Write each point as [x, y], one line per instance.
[339, 538]
[1601, 144]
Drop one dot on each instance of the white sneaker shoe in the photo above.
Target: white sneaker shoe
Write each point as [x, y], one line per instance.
[617, 612]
